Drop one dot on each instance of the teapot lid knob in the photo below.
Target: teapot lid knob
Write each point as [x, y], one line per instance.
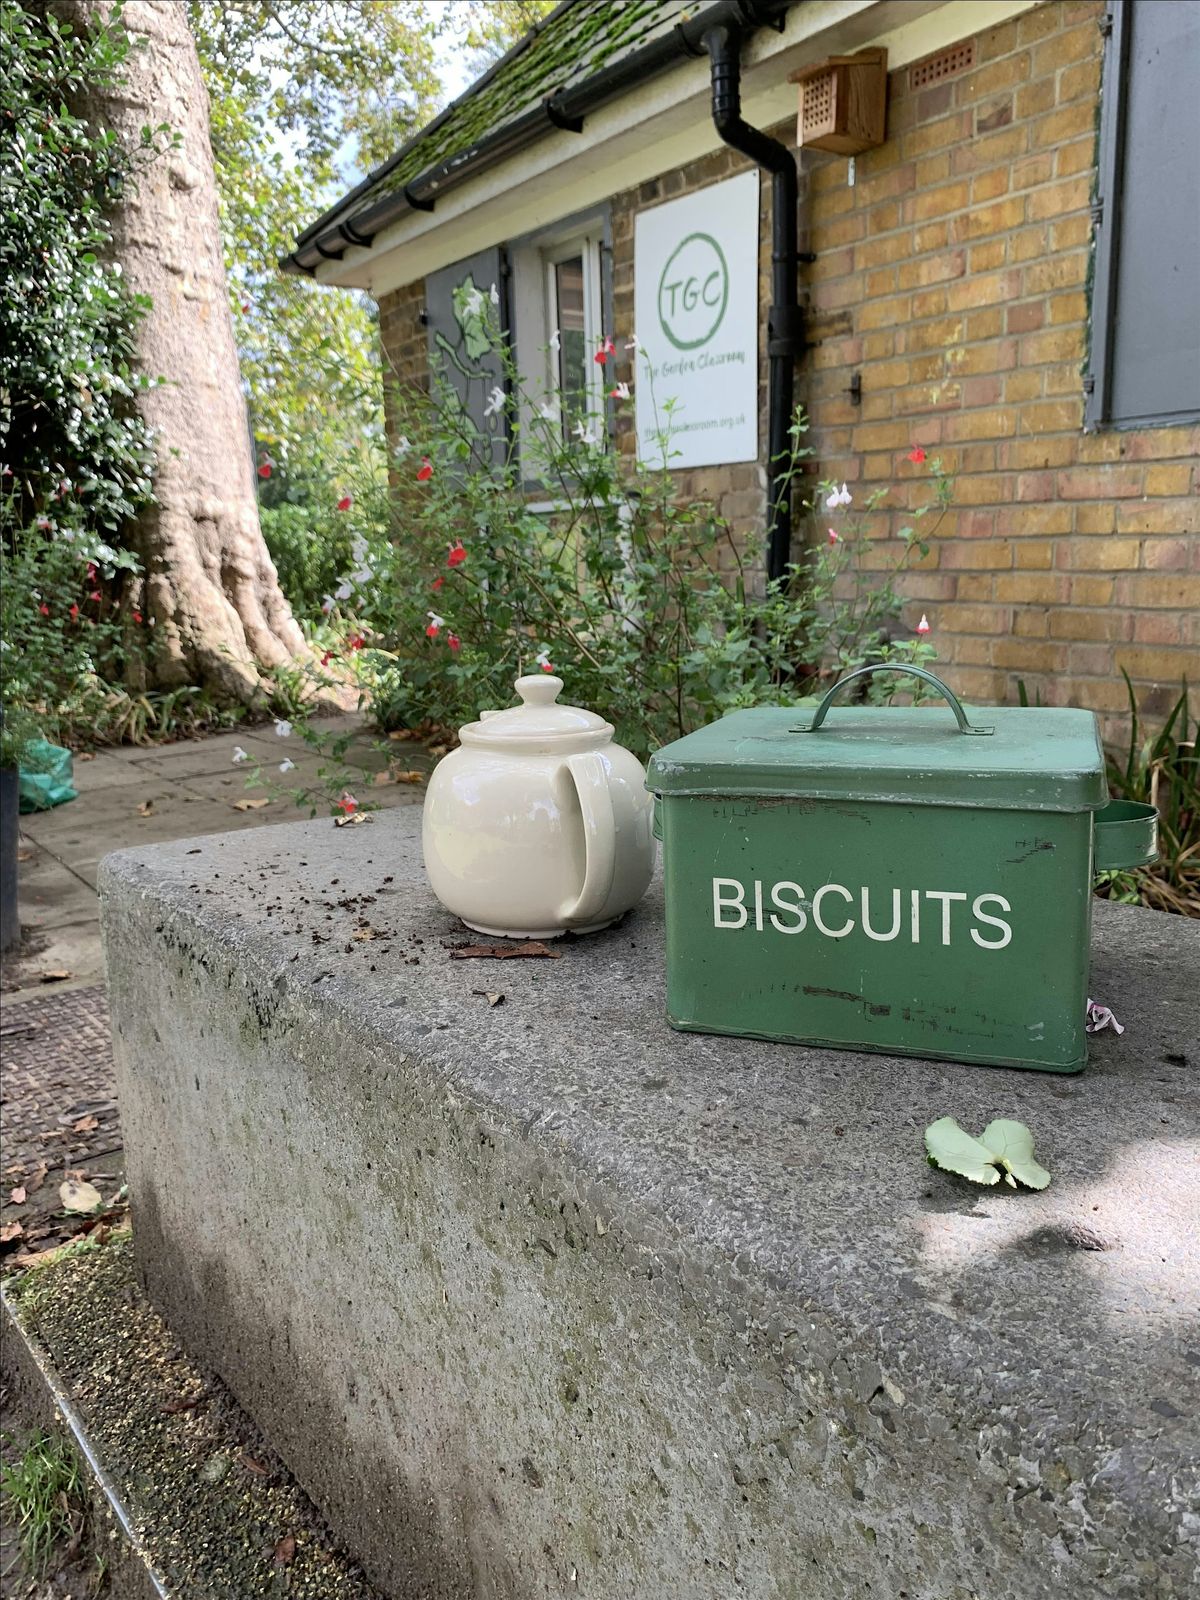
[539, 688]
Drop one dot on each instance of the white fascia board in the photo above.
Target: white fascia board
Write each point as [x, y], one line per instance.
[648, 131]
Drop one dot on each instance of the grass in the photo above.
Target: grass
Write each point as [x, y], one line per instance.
[46, 1497]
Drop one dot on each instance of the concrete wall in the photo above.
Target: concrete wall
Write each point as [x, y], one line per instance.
[953, 278]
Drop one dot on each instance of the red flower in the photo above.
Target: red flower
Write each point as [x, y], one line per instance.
[425, 470]
[607, 349]
[245, 305]
[453, 641]
[327, 658]
[457, 554]
[95, 595]
[437, 583]
[264, 470]
[923, 625]
[916, 454]
[834, 536]
[347, 805]
[137, 616]
[355, 641]
[44, 609]
[91, 571]
[74, 613]
[432, 631]
[344, 503]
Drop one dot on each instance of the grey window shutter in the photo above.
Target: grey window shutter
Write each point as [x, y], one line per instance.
[1146, 303]
[458, 355]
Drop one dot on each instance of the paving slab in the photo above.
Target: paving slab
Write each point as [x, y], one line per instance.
[51, 894]
[613, 1311]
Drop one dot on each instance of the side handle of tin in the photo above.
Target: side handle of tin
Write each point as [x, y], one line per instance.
[1126, 836]
[589, 773]
[894, 666]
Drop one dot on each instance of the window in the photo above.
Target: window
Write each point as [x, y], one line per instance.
[558, 297]
[1145, 356]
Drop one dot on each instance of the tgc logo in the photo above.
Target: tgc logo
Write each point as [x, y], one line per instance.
[693, 291]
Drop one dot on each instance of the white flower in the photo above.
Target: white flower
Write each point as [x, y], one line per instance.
[543, 656]
[283, 728]
[495, 402]
[555, 341]
[634, 342]
[494, 295]
[585, 435]
[403, 446]
[327, 604]
[621, 392]
[344, 590]
[239, 754]
[287, 766]
[839, 497]
[434, 620]
[548, 411]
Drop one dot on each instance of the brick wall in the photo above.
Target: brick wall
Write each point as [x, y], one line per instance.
[953, 277]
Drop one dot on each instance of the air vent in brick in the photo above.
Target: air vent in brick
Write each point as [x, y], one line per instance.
[958, 58]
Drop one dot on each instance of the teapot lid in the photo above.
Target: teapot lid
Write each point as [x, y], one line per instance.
[536, 719]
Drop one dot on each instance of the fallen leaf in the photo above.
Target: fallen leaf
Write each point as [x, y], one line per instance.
[30, 1258]
[55, 976]
[361, 935]
[184, 1403]
[37, 1180]
[256, 1467]
[504, 952]
[393, 775]
[18, 1196]
[10, 1232]
[285, 1550]
[492, 999]
[84, 1125]
[146, 809]
[353, 820]
[24, 855]
[81, 1197]
[250, 805]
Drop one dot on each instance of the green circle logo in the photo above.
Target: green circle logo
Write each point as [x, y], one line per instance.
[693, 291]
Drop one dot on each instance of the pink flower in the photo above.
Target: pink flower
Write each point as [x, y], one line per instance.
[95, 595]
[458, 554]
[91, 571]
[916, 454]
[834, 536]
[44, 609]
[347, 804]
[425, 471]
[265, 468]
[453, 641]
[344, 503]
[923, 625]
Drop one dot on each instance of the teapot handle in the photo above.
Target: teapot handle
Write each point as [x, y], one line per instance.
[589, 773]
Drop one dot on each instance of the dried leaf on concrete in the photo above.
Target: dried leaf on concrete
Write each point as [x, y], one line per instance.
[10, 1232]
[250, 805]
[251, 1465]
[84, 1125]
[285, 1550]
[18, 1196]
[492, 999]
[38, 1178]
[353, 820]
[531, 949]
[57, 975]
[395, 775]
[80, 1197]
[146, 809]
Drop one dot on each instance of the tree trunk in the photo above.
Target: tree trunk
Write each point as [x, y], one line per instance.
[219, 615]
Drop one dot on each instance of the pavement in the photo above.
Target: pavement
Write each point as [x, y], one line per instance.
[150, 795]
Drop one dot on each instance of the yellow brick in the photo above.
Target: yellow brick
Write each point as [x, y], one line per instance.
[1099, 555]
[1001, 217]
[1051, 416]
[1037, 553]
[1029, 455]
[988, 256]
[996, 423]
[1006, 73]
[936, 135]
[1095, 516]
[1032, 170]
[1035, 98]
[929, 303]
[1175, 478]
[1077, 157]
[1059, 344]
[1091, 591]
[1059, 199]
[1065, 124]
[974, 586]
[988, 185]
[1149, 665]
[1022, 386]
[1024, 653]
[939, 202]
[1029, 588]
[1065, 270]
[1071, 232]
[932, 169]
[986, 324]
[930, 236]
[884, 313]
[1086, 624]
[984, 289]
[1071, 307]
[1028, 245]
[1067, 378]
[1064, 49]
[974, 619]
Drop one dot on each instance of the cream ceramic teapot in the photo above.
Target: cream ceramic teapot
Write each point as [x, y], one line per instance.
[538, 823]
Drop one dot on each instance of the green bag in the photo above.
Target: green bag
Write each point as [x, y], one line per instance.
[45, 776]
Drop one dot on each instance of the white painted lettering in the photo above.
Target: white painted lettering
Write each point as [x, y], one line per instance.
[794, 908]
[848, 927]
[758, 914]
[893, 932]
[915, 900]
[735, 901]
[945, 896]
[995, 922]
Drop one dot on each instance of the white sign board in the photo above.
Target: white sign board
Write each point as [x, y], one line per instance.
[696, 318]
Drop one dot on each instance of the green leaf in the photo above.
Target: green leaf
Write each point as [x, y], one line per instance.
[1011, 1143]
[951, 1148]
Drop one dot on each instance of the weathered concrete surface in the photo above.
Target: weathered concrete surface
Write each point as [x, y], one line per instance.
[545, 1299]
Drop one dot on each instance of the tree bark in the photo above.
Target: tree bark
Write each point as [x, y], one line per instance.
[220, 619]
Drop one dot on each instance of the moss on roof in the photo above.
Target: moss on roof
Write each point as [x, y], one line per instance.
[569, 46]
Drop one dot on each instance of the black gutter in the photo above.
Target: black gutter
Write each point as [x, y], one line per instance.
[785, 332]
[565, 108]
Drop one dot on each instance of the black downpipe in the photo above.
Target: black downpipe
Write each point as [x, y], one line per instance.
[785, 335]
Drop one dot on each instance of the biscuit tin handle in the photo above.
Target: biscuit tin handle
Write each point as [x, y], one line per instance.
[960, 715]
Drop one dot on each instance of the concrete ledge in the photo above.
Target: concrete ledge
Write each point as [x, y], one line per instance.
[545, 1299]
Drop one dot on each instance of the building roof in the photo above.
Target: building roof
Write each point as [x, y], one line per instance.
[568, 47]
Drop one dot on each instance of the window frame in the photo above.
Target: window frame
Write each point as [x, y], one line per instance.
[1106, 219]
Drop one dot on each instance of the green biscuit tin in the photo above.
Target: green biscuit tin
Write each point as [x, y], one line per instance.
[893, 879]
